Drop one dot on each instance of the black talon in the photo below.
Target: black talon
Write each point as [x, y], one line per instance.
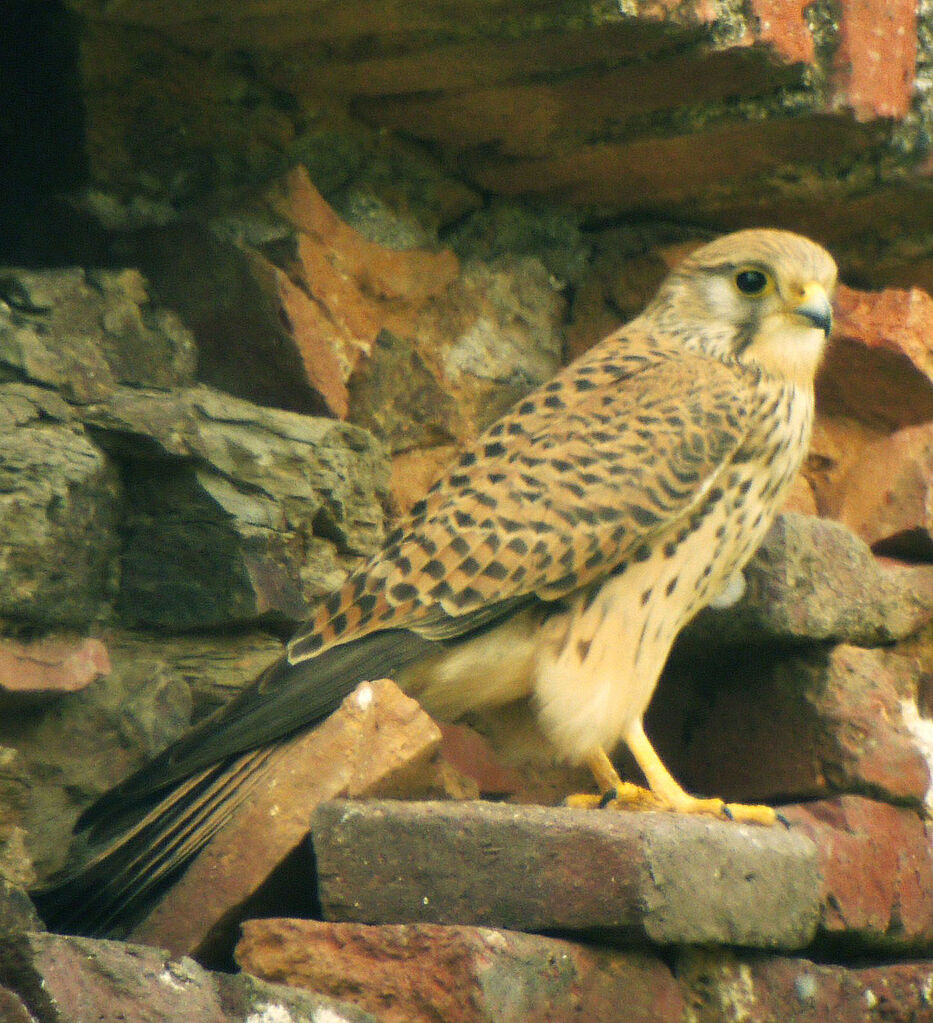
[726, 812]
[607, 797]
[782, 819]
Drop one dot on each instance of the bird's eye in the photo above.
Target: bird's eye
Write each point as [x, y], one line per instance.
[752, 282]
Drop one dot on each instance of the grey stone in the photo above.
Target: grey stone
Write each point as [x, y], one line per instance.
[83, 332]
[75, 980]
[17, 913]
[666, 878]
[235, 512]
[813, 579]
[59, 506]
[56, 763]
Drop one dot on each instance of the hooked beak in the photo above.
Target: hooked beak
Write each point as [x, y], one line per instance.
[815, 307]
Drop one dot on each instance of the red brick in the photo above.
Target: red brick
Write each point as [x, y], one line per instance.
[877, 865]
[879, 365]
[421, 973]
[51, 665]
[875, 63]
[803, 725]
[887, 496]
[784, 26]
[774, 989]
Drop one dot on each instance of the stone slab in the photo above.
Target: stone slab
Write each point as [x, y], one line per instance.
[535, 869]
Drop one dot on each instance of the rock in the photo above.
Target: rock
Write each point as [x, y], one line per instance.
[744, 987]
[812, 579]
[800, 725]
[886, 496]
[497, 334]
[74, 980]
[17, 913]
[16, 863]
[395, 395]
[490, 338]
[877, 867]
[57, 762]
[414, 472]
[59, 505]
[235, 512]
[215, 668]
[835, 447]
[49, 666]
[84, 332]
[12, 1008]
[420, 973]
[634, 875]
[378, 742]
[879, 365]
[293, 294]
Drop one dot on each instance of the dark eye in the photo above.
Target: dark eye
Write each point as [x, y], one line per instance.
[751, 282]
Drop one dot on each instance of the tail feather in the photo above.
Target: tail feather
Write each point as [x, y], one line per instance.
[136, 837]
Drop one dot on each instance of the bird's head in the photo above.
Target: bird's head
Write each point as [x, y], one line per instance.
[761, 297]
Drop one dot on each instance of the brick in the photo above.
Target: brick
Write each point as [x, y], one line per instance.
[813, 579]
[776, 989]
[800, 724]
[529, 868]
[421, 973]
[887, 495]
[877, 866]
[50, 665]
[875, 63]
[378, 741]
[879, 365]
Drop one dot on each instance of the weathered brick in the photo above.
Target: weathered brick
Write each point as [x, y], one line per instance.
[421, 973]
[529, 868]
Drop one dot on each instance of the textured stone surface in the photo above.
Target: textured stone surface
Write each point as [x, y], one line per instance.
[636, 875]
[236, 512]
[379, 741]
[17, 913]
[59, 497]
[813, 579]
[214, 667]
[877, 866]
[54, 764]
[420, 973]
[13, 1009]
[879, 366]
[775, 989]
[886, 496]
[84, 332]
[76, 980]
[48, 666]
[796, 725]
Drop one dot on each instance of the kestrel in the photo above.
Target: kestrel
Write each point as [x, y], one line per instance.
[556, 561]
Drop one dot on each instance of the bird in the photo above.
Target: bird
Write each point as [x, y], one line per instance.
[554, 563]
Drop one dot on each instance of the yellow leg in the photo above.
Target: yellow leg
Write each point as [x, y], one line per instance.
[672, 796]
[612, 790]
[664, 792]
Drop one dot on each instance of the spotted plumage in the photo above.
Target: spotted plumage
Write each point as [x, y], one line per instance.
[556, 561]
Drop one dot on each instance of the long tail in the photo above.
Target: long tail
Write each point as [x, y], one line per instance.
[135, 839]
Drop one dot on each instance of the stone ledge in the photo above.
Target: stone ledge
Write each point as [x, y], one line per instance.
[535, 869]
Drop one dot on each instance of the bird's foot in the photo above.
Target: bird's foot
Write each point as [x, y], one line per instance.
[664, 794]
[748, 813]
[622, 795]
